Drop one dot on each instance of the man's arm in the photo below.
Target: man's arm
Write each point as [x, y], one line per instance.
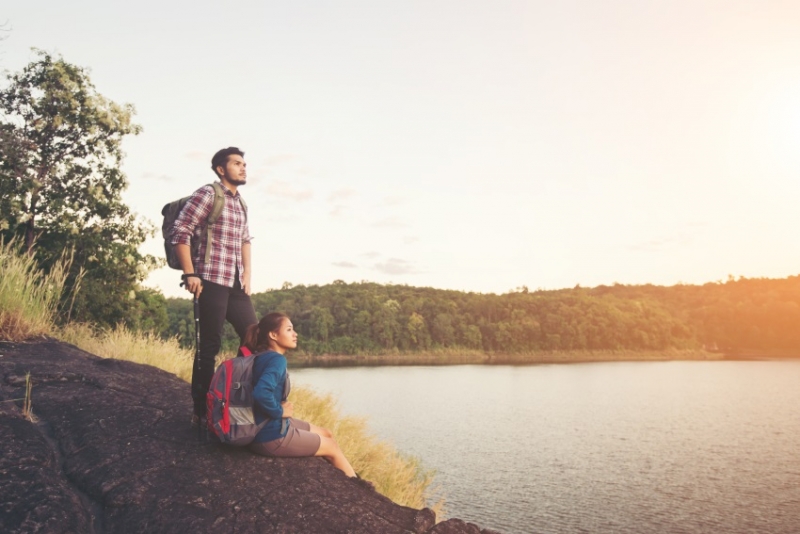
[246, 273]
[197, 209]
[193, 283]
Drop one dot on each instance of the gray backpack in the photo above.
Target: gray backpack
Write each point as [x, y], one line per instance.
[230, 400]
[173, 209]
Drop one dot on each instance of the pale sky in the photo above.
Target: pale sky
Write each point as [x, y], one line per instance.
[477, 146]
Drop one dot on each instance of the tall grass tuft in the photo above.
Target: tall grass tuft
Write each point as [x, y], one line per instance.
[121, 343]
[27, 407]
[397, 476]
[28, 297]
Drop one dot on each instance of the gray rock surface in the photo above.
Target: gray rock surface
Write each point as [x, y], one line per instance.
[112, 451]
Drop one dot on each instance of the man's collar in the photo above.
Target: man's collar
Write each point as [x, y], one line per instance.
[228, 191]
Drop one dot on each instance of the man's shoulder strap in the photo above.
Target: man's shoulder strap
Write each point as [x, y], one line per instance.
[219, 203]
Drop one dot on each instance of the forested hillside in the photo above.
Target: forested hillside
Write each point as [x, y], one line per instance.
[341, 318]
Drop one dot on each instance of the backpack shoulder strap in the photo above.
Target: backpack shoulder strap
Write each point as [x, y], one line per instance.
[244, 206]
[219, 203]
[216, 210]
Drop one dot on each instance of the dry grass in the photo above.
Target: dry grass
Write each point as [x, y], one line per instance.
[123, 344]
[28, 297]
[400, 477]
[27, 405]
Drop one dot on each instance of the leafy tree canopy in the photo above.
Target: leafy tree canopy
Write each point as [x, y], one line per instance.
[756, 315]
[61, 184]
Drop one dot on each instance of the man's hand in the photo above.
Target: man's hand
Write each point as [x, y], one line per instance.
[246, 268]
[246, 282]
[191, 281]
[194, 285]
[288, 408]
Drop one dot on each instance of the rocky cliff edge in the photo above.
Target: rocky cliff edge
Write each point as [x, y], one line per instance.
[112, 451]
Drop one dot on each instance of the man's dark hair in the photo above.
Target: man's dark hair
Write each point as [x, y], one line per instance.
[220, 159]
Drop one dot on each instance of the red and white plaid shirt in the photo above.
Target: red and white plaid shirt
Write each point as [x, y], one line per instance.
[229, 233]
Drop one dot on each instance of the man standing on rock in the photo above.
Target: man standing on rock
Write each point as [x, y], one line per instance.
[220, 277]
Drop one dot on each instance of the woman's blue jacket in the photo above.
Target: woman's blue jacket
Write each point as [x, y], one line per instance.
[269, 378]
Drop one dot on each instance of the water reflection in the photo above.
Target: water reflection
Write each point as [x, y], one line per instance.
[599, 447]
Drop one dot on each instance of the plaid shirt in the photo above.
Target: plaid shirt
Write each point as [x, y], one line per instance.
[229, 233]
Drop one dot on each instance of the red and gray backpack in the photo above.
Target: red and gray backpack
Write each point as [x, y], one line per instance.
[229, 402]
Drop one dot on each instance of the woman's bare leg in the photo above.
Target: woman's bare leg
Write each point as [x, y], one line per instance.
[329, 449]
[322, 432]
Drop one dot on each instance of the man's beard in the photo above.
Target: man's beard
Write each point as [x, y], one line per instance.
[237, 181]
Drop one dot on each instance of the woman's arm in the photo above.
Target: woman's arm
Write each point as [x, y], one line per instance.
[269, 387]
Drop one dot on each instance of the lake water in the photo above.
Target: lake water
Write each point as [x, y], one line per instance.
[646, 447]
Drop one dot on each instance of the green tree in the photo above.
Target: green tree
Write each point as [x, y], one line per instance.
[417, 332]
[149, 312]
[61, 183]
[471, 336]
[442, 330]
[386, 324]
[738, 315]
[181, 320]
[321, 323]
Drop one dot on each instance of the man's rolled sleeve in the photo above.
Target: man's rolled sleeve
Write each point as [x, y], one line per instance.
[246, 238]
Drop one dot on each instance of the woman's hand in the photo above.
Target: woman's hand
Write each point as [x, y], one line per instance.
[288, 408]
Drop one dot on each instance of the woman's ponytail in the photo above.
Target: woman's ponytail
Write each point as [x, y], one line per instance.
[256, 337]
[251, 337]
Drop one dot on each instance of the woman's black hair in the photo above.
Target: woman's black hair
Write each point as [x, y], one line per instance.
[257, 336]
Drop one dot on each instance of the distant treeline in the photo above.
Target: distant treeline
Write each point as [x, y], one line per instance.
[360, 318]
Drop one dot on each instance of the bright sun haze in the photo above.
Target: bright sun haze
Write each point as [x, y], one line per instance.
[461, 144]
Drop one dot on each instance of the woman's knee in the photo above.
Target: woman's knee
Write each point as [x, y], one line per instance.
[328, 447]
[322, 432]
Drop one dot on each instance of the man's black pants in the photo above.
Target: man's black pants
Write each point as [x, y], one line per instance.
[217, 304]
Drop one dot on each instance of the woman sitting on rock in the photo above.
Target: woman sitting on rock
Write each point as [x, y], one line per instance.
[283, 435]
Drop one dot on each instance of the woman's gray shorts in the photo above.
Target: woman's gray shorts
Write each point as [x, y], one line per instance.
[298, 441]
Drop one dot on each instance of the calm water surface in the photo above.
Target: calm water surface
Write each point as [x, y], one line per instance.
[679, 447]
